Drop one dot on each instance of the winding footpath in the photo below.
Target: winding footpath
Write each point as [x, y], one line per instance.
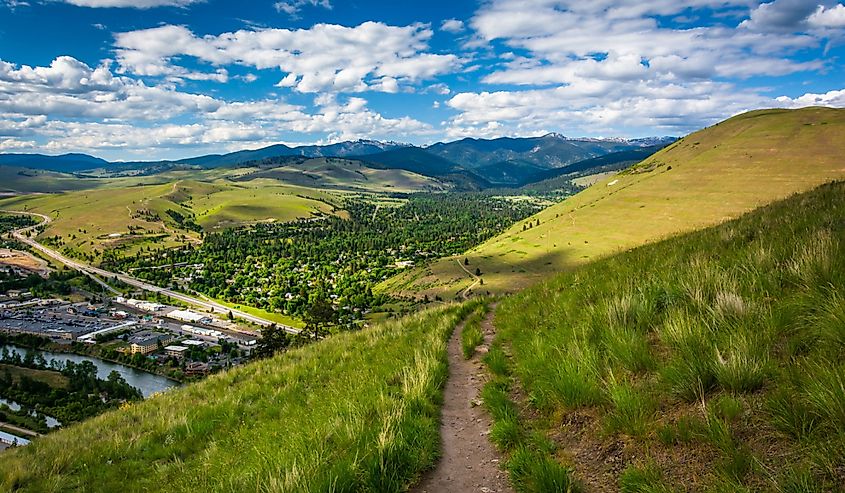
[22, 235]
[469, 461]
[476, 280]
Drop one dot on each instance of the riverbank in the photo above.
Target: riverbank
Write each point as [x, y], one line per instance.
[93, 351]
[147, 382]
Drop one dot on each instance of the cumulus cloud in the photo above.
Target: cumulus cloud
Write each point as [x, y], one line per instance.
[292, 7]
[780, 16]
[452, 26]
[135, 4]
[70, 106]
[833, 17]
[830, 98]
[604, 65]
[325, 57]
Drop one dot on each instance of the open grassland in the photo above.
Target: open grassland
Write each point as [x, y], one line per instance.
[704, 179]
[356, 412]
[338, 173]
[714, 361]
[134, 217]
[51, 378]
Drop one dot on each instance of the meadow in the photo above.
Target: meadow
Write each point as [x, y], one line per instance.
[708, 362]
[356, 412]
[706, 178]
[130, 218]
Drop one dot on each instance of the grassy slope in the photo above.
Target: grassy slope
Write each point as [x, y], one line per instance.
[356, 412]
[716, 174]
[348, 175]
[714, 361]
[51, 378]
[104, 211]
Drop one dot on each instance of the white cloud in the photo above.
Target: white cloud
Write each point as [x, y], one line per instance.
[325, 57]
[452, 26]
[611, 66]
[292, 7]
[780, 16]
[833, 17]
[135, 4]
[830, 98]
[69, 106]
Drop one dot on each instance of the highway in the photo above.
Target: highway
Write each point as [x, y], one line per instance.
[22, 235]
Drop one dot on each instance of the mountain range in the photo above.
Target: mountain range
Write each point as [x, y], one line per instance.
[466, 163]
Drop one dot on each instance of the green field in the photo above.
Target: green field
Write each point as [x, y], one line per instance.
[136, 216]
[708, 177]
[356, 412]
[276, 317]
[708, 362]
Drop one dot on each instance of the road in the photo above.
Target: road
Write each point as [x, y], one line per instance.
[22, 235]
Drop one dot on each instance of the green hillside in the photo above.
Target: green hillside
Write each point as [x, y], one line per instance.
[710, 362]
[356, 412]
[139, 215]
[339, 173]
[706, 178]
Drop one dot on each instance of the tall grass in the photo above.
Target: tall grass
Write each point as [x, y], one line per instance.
[356, 412]
[471, 335]
[750, 312]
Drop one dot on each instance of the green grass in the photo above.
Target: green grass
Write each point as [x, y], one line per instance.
[356, 412]
[716, 174]
[471, 335]
[277, 317]
[721, 346]
[51, 378]
[87, 221]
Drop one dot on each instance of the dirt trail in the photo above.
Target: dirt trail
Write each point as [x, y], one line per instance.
[469, 462]
[476, 280]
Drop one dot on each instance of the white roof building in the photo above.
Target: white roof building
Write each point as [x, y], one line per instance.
[186, 316]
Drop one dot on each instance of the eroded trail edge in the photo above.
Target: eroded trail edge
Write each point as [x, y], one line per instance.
[469, 462]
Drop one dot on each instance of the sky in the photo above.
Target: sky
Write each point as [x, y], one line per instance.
[165, 79]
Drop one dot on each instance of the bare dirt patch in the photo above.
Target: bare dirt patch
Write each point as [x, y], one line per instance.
[24, 261]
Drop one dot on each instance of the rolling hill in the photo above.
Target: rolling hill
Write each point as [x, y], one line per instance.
[706, 178]
[340, 173]
[127, 217]
[467, 164]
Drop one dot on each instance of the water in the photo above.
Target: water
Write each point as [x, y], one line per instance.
[147, 383]
[14, 406]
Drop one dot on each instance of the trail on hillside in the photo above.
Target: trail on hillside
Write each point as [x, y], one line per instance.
[476, 280]
[469, 461]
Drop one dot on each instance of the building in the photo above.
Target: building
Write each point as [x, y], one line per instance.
[197, 368]
[147, 344]
[187, 316]
[176, 351]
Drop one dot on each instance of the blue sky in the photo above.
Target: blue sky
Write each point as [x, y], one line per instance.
[149, 79]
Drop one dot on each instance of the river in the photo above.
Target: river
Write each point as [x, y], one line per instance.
[147, 383]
